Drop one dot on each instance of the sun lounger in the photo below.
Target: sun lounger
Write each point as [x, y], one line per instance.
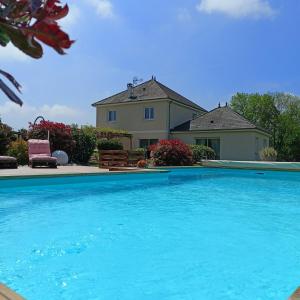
[8, 162]
[40, 155]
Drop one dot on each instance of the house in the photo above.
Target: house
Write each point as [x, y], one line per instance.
[151, 111]
[148, 111]
[227, 132]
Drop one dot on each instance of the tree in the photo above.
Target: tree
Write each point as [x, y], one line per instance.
[278, 113]
[259, 109]
[288, 131]
[85, 143]
[26, 23]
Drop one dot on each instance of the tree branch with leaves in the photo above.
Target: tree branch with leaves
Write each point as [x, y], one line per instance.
[26, 24]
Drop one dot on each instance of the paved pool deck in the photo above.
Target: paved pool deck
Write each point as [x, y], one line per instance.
[25, 172]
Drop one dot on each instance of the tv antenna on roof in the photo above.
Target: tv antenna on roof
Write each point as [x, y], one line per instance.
[136, 80]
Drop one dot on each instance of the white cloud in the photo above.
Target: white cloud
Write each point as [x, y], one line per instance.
[18, 117]
[104, 8]
[72, 18]
[237, 8]
[11, 53]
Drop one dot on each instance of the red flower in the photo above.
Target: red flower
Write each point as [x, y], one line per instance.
[171, 153]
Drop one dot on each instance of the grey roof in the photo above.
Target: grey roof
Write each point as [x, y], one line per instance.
[149, 90]
[222, 118]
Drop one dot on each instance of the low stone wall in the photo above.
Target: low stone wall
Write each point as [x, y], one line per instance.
[254, 165]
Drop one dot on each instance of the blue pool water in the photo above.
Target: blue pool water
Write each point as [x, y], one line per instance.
[188, 234]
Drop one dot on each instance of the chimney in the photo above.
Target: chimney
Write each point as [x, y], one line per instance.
[130, 90]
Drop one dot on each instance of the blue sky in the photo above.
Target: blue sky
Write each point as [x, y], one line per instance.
[205, 49]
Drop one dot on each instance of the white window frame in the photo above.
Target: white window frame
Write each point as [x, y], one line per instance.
[112, 113]
[150, 109]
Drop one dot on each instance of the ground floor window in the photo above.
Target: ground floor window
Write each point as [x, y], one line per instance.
[145, 143]
[212, 143]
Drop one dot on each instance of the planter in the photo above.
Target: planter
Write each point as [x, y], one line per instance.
[113, 158]
[119, 158]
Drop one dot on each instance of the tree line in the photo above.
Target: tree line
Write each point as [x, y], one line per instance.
[279, 114]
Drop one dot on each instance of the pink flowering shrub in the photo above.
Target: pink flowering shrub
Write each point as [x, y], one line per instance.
[171, 153]
[60, 135]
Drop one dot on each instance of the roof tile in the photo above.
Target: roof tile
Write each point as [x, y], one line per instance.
[149, 90]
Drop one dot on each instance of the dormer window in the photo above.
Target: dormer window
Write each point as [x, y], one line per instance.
[149, 113]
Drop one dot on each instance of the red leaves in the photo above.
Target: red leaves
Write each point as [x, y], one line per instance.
[51, 35]
[27, 21]
[171, 153]
[51, 126]
[54, 11]
[60, 135]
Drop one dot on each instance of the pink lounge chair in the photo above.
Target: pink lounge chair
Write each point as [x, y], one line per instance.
[8, 162]
[40, 155]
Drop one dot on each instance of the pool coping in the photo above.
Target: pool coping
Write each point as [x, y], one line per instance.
[76, 174]
[252, 165]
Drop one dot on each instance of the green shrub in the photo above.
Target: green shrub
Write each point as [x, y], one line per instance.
[19, 150]
[85, 143]
[202, 152]
[140, 150]
[113, 144]
[268, 154]
[6, 136]
[23, 133]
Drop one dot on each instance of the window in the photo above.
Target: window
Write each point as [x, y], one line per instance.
[145, 143]
[212, 143]
[112, 116]
[149, 113]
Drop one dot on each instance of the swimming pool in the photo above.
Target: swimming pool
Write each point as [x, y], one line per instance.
[188, 234]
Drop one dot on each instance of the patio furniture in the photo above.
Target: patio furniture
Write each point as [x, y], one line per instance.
[40, 155]
[8, 162]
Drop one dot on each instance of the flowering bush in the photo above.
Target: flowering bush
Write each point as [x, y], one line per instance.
[6, 136]
[19, 150]
[171, 153]
[59, 133]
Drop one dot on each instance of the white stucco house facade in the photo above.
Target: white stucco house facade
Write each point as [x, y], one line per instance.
[151, 111]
